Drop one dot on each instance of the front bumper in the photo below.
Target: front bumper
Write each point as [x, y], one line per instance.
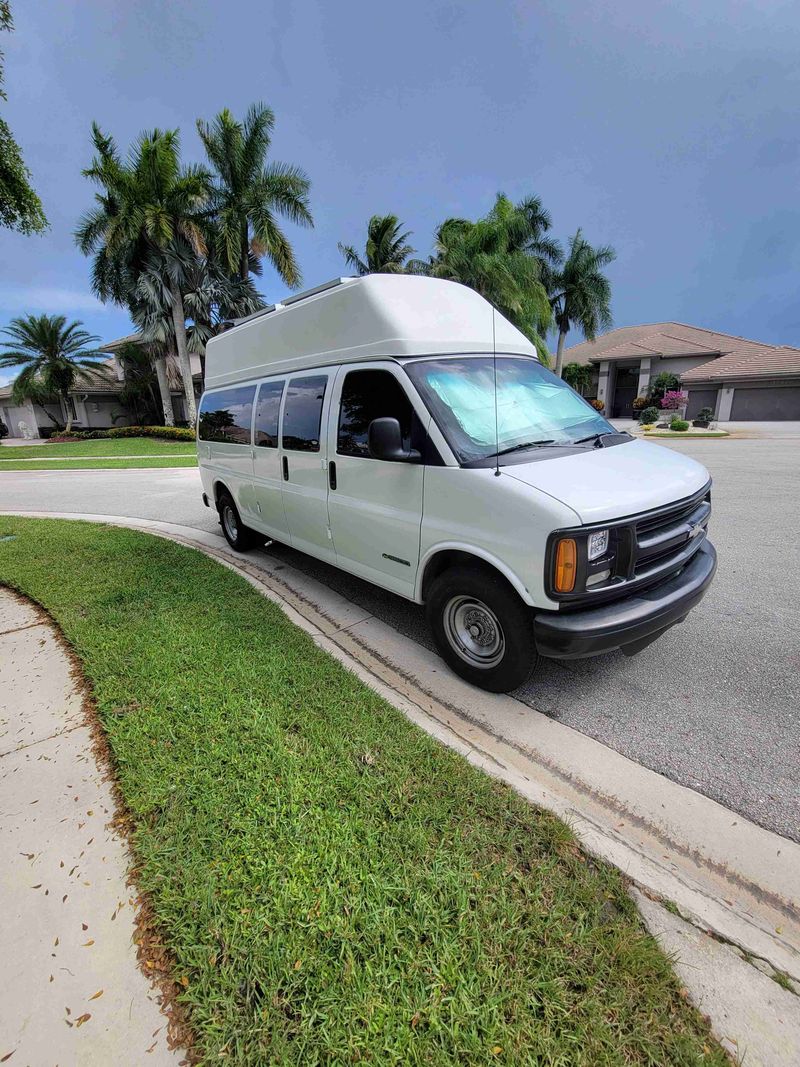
[628, 624]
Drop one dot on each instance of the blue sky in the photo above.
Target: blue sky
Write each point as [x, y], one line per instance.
[668, 130]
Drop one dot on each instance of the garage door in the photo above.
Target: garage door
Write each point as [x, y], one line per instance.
[766, 405]
[701, 398]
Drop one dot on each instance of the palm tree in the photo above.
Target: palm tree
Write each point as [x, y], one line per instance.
[54, 357]
[502, 257]
[526, 225]
[150, 211]
[138, 392]
[211, 298]
[248, 193]
[580, 293]
[386, 249]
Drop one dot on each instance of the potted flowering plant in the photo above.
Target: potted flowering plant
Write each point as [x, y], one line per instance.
[674, 400]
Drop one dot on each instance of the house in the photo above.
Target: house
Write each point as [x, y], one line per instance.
[739, 380]
[94, 404]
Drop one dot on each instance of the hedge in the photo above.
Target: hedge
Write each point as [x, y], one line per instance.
[168, 433]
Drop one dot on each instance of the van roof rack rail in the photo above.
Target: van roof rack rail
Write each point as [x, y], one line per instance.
[294, 299]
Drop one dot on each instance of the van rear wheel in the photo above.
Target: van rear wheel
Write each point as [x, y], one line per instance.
[238, 536]
[482, 629]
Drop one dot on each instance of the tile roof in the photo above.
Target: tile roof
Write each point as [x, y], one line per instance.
[103, 380]
[773, 361]
[726, 356]
[129, 339]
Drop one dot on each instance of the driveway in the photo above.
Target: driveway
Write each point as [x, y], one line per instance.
[713, 705]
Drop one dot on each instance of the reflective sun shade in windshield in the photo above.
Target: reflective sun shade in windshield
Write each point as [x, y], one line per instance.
[533, 405]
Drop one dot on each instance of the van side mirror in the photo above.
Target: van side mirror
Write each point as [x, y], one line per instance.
[385, 441]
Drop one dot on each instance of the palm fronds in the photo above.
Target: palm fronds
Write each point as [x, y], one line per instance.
[386, 249]
[249, 194]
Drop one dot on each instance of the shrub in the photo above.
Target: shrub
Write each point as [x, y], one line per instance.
[703, 417]
[166, 433]
[598, 405]
[640, 403]
[578, 376]
[661, 384]
[3, 430]
[649, 415]
[674, 399]
[680, 425]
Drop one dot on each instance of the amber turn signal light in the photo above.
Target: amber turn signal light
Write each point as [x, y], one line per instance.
[566, 560]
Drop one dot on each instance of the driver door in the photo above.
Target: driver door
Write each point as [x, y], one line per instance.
[374, 506]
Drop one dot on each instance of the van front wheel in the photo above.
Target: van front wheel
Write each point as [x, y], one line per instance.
[481, 628]
[238, 536]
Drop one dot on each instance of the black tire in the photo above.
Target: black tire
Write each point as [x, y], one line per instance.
[238, 536]
[481, 627]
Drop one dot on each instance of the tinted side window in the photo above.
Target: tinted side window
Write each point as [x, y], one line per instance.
[226, 415]
[303, 413]
[267, 411]
[368, 395]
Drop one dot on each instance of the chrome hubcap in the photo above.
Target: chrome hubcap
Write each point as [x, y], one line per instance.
[229, 522]
[474, 632]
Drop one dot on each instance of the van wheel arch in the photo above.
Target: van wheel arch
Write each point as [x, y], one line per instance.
[237, 534]
[219, 488]
[453, 557]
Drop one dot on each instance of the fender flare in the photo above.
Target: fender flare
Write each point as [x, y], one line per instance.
[480, 554]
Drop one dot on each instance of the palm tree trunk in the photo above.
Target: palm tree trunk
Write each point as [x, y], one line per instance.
[179, 323]
[244, 264]
[562, 336]
[163, 388]
[68, 410]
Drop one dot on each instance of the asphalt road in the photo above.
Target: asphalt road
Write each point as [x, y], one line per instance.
[714, 704]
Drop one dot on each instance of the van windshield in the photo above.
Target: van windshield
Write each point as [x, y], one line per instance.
[535, 409]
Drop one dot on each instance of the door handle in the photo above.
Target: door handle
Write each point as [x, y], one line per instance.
[285, 469]
[332, 475]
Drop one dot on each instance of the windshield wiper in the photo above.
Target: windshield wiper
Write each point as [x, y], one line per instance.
[524, 445]
[597, 438]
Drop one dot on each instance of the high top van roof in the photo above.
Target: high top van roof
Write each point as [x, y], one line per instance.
[379, 316]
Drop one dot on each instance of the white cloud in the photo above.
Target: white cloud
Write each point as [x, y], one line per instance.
[52, 300]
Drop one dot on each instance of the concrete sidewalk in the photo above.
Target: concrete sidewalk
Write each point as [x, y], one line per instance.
[71, 992]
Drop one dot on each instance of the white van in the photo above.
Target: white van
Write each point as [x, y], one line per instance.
[401, 429]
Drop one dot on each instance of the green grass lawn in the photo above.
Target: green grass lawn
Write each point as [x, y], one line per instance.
[334, 885]
[110, 446]
[79, 464]
[678, 434]
[78, 455]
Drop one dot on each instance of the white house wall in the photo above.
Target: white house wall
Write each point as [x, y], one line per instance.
[102, 414]
[677, 365]
[12, 415]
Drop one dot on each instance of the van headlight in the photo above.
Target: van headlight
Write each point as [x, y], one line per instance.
[582, 560]
[598, 544]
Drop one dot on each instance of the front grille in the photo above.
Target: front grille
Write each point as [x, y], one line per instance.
[643, 550]
[668, 539]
